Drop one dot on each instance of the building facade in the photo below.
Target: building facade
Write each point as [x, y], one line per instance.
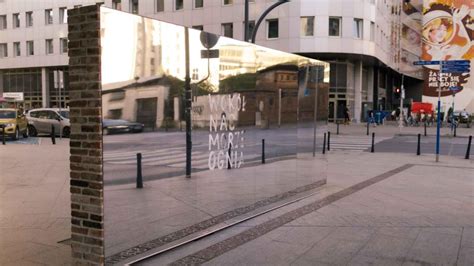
[369, 43]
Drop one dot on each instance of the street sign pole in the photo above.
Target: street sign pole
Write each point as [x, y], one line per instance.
[402, 95]
[452, 115]
[438, 124]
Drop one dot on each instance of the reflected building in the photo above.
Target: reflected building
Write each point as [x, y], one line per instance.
[369, 44]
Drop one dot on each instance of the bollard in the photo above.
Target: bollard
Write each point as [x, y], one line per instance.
[324, 144]
[329, 140]
[337, 127]
[372, 149]
[418, 147]
[455, 127]
[263, 151]
[139, 171]
[3, 134]
[53, 135]
[229, 165]
[468, 151]
[368, 127]
[425, 128]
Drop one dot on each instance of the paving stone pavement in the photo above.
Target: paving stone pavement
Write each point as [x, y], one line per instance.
[34, 203]
[423, 215]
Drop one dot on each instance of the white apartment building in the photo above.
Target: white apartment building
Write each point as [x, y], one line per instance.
[360, 38]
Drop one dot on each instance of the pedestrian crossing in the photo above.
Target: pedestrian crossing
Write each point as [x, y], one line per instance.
[170, 157]
[353, 143]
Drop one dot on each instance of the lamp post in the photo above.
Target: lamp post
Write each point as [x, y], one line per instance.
[402, 87]
[253, 34]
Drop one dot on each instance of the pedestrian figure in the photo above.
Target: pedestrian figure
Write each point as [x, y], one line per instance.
[371, 118]
[347, 118]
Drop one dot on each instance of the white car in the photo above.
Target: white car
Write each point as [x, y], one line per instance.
[40, 121]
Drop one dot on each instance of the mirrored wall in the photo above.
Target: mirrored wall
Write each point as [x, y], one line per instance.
[256, 119]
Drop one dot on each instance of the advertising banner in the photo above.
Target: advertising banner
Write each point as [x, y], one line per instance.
[447, 34]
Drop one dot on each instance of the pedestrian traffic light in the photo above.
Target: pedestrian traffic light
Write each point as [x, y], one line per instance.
[396, 92]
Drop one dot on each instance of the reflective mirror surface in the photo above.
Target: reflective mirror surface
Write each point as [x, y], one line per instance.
[257, 121]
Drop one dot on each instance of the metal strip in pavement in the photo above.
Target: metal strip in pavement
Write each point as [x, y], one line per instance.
[248, 235]
[206, 224]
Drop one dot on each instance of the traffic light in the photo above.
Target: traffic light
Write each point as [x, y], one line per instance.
[396, 92]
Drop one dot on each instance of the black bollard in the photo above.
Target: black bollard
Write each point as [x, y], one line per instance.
[139, 171]
[368, 127]
[324, 144]
[263, 151]
[3, 134]
[468, 151]
[229, 164]
[425, 128]
[329, 140]
[53, 135]
[337, 127]
[418, 147]
[372, 149]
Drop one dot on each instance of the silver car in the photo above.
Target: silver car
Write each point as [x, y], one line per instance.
[41, 121]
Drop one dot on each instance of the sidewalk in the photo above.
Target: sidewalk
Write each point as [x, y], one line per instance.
[34, 203]
[391, 130]
[375, 210]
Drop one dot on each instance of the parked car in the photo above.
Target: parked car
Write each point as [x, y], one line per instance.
[114, 126]
[462, 117]
[40, 121]
[13, 123]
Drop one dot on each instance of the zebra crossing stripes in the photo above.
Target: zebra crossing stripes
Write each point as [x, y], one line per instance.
[153, 158]
[352, 143]
[175, 157]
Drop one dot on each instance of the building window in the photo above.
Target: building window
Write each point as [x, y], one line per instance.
[29, 19]
[3, 22]
[30, 48]
[272, 28]
[134, 6]
[3, 50]
[117, 4]
[334, 26]
[49, 46]
[251, 28]
[63, 45]
[16, 49]
[63, 15]
[16, 20]
[307, 26]
[228, 30]
[227, 2]
[178, 4]
[198, 27]
[372, 31]
[160, 5]
[198, 3]
[358, 28]
[48, 16]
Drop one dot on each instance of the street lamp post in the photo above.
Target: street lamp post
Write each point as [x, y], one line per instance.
[253, 34]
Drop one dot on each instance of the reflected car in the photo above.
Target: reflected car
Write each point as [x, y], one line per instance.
[463, 117]
[117, 126]
[13, 123]
[40, 121]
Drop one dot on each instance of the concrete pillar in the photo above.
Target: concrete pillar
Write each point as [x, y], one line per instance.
[375, 95]
[176, 109]
[358, 91]
[370, 84]
[44, 88]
